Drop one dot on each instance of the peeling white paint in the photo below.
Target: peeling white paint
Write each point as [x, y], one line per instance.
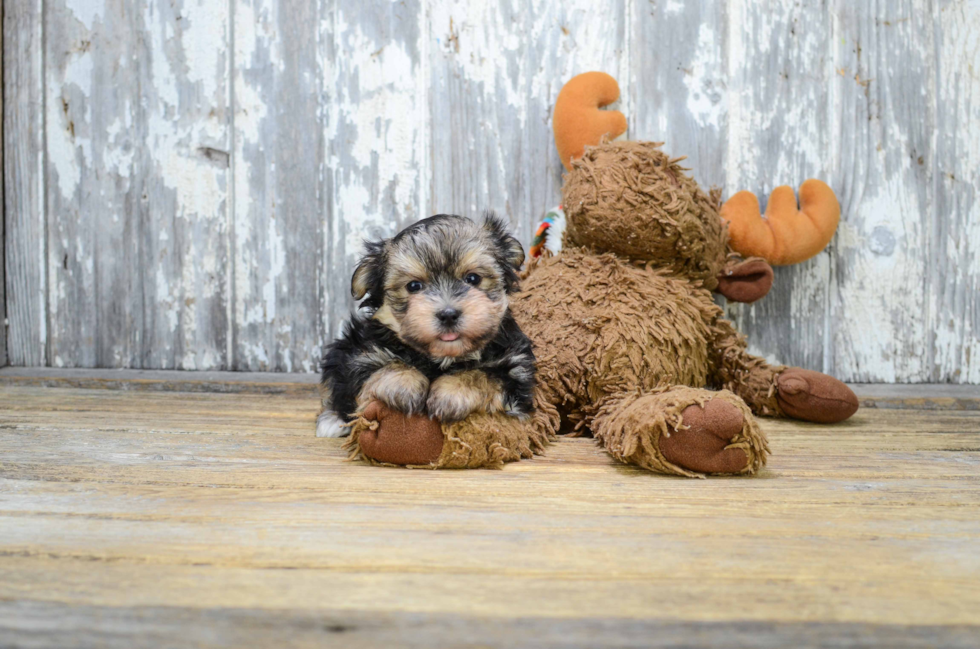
[377, 124]
[886, 346]
[86, 11]
[67, 152]
[704, 99]
[955, 290]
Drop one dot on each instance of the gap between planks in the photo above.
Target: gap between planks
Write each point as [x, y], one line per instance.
[911, 396]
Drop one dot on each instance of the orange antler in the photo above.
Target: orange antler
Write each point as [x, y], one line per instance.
[787, 235]
[578, 122]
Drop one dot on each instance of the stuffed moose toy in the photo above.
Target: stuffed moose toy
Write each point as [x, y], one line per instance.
[630, 346]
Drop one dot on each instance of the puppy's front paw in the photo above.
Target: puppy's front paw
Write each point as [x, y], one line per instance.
[399, 387]
[454, 397]
[448, 407]
[410, 402]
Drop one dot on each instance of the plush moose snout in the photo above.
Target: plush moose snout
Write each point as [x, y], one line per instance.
[745, 281]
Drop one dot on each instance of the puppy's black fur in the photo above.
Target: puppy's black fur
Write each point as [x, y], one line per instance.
[344, 373]
[369, 344]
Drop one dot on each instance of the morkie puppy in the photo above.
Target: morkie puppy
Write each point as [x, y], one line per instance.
[438, 337]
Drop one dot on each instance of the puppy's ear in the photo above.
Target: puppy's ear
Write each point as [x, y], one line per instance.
[509, 249]
[369, 276]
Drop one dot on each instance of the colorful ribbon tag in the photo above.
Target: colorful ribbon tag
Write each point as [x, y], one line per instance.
[548, 234]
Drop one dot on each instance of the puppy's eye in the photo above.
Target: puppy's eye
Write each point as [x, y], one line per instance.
[472, 279]
[414, 286]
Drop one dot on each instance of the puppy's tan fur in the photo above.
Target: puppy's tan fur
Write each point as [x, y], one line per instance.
[398, 386]
[449, 249]
[453, 397]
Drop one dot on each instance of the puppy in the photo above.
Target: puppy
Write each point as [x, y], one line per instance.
[437, 337]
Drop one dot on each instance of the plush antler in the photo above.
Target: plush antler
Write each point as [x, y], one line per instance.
[788, 235]
[578, 122]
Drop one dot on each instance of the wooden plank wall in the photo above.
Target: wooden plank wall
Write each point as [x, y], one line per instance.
[188, 185]
[3, 281]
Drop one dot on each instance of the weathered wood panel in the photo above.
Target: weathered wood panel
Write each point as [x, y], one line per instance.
[93, 190]
[3, 281]
[480, 81]
[23, 180]
[678, 91]
[954, 265]
[186, 97]
[182, 196]
[137, 158]
[377, 125]
[886, 64]
[279, 166]
[55, 624]
[780, 79]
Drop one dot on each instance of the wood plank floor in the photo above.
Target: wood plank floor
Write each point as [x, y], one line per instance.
[161, 519]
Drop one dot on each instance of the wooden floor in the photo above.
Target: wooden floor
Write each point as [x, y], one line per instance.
[134, 518]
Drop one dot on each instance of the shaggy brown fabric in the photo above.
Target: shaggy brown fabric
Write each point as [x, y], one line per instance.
[734, 369]
[630, 426]
[604, 328]
[632, 199]
[385, 437]
[602, 325]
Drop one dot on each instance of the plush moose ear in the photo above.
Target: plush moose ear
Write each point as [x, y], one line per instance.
[789, 234]
[578, 121]
[509, 249]
[368, 277]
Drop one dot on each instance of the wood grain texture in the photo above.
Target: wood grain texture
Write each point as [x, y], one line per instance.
[3, 281]
[202, 205]
[44, 624]
[934, 396]
[305, 384]
[149, 508]
[377, 125]
[279, 185]
[186, 184]
[48, 624]
[137, 150]
[780, 76]
[679, 87]
[954, 271]
[886, 62]
[93, 190]
[23, 180]
[480, 80]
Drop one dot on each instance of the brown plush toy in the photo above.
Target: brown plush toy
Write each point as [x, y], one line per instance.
[629, 342]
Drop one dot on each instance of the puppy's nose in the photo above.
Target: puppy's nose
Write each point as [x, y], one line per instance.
[448, 316]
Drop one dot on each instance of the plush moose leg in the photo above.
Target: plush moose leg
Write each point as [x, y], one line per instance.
[777, 390]
[682, 431]
[384, 436]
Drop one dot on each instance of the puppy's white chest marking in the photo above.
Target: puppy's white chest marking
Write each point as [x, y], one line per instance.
[330, 425]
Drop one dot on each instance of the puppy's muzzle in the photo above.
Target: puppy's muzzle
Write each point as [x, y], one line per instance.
[448, 317]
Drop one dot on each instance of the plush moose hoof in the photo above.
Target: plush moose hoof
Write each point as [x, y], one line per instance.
[812, 396]
[400, 438]
[701, 445]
